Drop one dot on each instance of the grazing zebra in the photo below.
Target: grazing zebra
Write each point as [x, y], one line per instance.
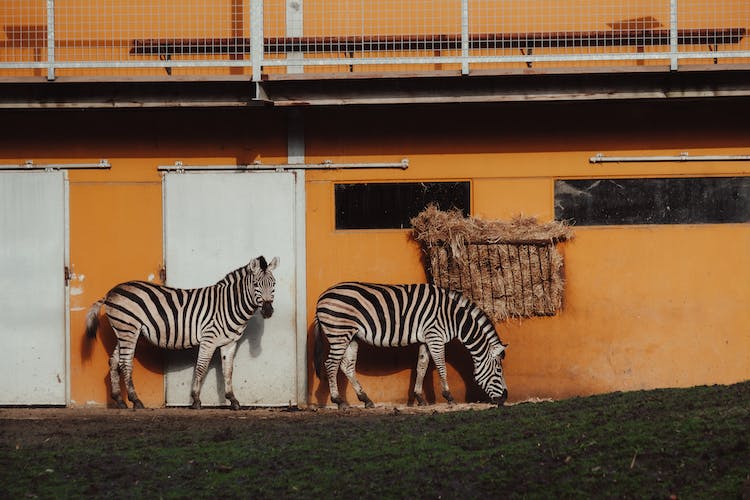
[400, 315]
[176, 318]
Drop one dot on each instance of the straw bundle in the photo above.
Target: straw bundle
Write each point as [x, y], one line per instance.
[509, 268]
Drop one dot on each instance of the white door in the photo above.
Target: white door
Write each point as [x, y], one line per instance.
[215, 223]
[33, 296]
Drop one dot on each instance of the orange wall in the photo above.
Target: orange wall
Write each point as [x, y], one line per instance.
[645, 306]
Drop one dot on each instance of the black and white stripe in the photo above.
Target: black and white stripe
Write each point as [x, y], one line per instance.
[175, 318]
[400, 315]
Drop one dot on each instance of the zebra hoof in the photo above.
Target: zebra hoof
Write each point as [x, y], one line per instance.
[137, 405]
[120, 403]
[234, 404]
[196, 405]
[449, 397]
[366, 400]
[420, 400]
[343, 405]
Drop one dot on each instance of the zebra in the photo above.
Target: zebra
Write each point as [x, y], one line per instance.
[399, 315]
[176, 318]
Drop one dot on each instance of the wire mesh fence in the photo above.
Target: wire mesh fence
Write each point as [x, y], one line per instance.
[254, 37]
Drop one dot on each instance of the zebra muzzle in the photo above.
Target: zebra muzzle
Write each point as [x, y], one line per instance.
[266, 310]
[499, 401]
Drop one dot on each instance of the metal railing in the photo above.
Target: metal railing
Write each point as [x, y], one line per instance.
[257, 38]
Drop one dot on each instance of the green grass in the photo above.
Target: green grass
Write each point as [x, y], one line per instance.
[692, 443]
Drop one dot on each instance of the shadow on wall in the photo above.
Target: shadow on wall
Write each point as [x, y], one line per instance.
[147, 355]
[382, 362]
[251, 339]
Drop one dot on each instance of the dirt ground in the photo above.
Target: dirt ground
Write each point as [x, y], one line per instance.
[32, 424]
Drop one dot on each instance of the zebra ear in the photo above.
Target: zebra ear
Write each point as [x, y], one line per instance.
[498, 351]
[254, 266]
[274, 262]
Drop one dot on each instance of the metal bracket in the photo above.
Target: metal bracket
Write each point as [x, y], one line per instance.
[714, 48]
[528, 52]
[166, 57]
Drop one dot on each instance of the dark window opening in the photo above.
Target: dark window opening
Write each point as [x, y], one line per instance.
[392, 205]
[691, 200]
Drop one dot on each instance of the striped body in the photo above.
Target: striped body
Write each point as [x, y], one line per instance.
[400, 315]
[174, 318]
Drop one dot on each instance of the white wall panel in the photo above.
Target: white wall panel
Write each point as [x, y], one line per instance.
[215, 223]
[33, 333]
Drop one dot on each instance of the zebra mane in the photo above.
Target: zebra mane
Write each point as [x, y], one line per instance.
[242, 271]
[472, 309]
[233, 276]
[469, 305]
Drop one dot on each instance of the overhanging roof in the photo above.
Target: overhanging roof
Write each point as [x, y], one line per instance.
[646, 82]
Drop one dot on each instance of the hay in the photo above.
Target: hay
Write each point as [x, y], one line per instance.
[509, 268]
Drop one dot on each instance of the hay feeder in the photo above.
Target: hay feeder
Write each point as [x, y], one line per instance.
[509, 268]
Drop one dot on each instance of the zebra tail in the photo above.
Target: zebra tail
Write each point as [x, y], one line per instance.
[318, 356]
[92, 319]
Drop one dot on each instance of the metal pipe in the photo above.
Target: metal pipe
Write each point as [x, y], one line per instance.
[30, 165]
[50, 40]
[673, 44]
[380, 60]
[465, 36]
[600, 158]
[326, 165]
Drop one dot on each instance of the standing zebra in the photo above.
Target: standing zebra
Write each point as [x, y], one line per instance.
[176, 318]
[400, 315]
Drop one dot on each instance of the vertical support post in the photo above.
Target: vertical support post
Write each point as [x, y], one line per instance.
[295, 137]
[465, 36]
[50, 40]
[294, 28]
[256, 38]
[673, 42]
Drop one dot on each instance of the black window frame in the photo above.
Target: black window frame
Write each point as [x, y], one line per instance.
[653, 200]
[370, 205]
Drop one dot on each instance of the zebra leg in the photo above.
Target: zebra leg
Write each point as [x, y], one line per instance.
[348, 366]
[332, 364]
[114, 377]
[423, 360]
[437, 351]
[126, 369]
[205, 353]
[227, 366]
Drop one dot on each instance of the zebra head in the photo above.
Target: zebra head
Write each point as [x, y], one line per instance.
[263, 284]
[490, 374]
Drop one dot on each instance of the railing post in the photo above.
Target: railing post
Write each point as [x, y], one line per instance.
[50, 40]
[256, 37]
[465, 36]
[294, 28]
[673, 42]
